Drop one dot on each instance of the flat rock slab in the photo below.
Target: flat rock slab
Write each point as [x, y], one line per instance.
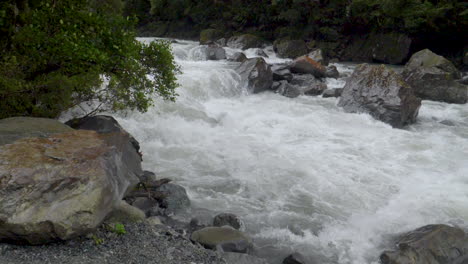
[226, 238]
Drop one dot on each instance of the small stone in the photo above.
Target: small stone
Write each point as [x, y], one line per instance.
[228, 219]
[226, 238]
[154, 221]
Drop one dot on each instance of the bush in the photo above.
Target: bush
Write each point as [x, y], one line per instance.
[58, 54]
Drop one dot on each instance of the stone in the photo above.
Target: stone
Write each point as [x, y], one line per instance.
[239, 258]
[238, 57]
[428, 59]
[245, 41]
[125, 213]
[281, 72]
[318, 56]
[14, 128]
[102, 124]
[154, 221]
[286, 48]
[307, 65]
[434, 78]
[295, 258]
[210, 52]
[147, 176]
[334, 92]
[308, 84]
[145, 204]
[209, 36]
[382, 93]
[62, 186]
[228, 219]
[175, 198]
[257, 74]
[332, 72]
[261, 53]
[431, 244]
[289, 90]
[389, 48]
[226, 238]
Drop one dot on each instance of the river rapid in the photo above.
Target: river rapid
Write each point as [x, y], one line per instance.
[302, 174]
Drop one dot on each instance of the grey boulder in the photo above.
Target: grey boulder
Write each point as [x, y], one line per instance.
[382, 93]
[257, 74]
[435, 78]
[225, 238]
[432, 244]
[62, 186]
[174, 199]
[238, 57]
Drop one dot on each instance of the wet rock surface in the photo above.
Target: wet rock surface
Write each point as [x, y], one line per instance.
[432, 244]
[306, 65]
[257, 74]
[382, 93]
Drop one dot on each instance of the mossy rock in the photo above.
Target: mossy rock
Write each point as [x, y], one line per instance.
[286, 48]
[210, 35]
[14, 128]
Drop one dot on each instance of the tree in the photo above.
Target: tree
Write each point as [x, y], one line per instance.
[60, 53]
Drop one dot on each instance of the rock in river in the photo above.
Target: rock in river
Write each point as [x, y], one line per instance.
[432, 244]
[382, 93]
[257, 74]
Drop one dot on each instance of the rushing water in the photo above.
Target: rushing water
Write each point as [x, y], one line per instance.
[301, 173]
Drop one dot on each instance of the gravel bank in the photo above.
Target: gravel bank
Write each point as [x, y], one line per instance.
[141, 244]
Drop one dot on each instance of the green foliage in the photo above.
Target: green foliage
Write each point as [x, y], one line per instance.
[119, 229]
[98, 241]
[59, 54]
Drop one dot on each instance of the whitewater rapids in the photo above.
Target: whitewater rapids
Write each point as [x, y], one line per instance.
[301, 173]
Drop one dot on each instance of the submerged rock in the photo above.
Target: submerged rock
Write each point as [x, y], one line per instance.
[335, 92]
[295, 258]
[226, 238]
[245, 41]
[286, 48]
[257, 74]
[432, 244]
[332, 72]
[62, 186]
[434, 78]
[261, 53]
[382, 93]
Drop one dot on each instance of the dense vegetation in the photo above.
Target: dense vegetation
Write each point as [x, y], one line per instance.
[434, 22]
[58, 54]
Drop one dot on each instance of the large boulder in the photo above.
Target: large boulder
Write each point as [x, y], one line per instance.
[306, 65]
[226, 238]
[245, 41]
[209, 36]
[434, 78]
[257, 74]
[432, 244]
[390, 48]
[286, 48]
[63, 186]
[102, 124]
[14, 128]
[382, 93]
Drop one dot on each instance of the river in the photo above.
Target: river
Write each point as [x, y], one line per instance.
[302, 174]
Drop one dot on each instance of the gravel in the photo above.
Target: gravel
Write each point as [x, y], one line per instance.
[141, 244]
